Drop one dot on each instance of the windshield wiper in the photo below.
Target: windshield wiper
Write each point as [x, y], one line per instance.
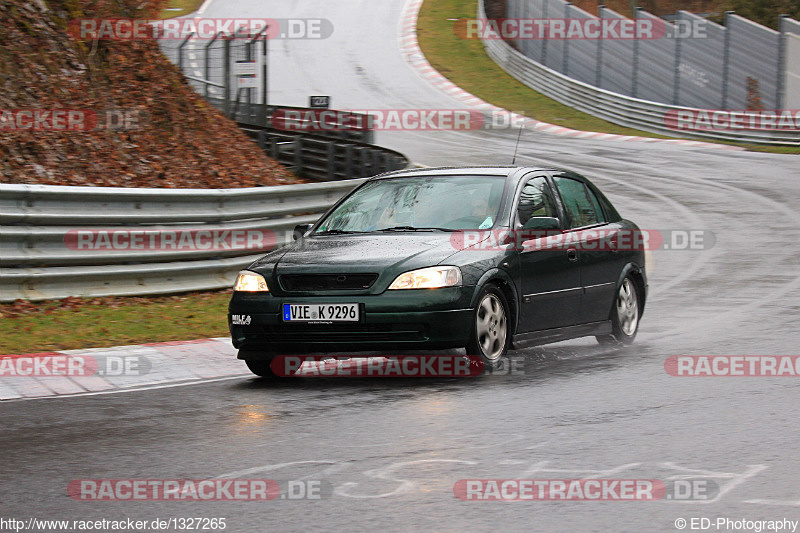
[335, 232]
[413, 228]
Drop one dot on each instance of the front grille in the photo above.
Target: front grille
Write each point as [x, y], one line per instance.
[327, 282]
[328, 333]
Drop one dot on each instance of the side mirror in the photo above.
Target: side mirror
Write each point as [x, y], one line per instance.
[542, 223]
[300, 230]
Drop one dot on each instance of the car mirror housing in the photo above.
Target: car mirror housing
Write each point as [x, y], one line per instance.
[300, 230]
[542, 223]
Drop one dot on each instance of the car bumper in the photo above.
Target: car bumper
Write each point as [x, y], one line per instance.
[394, 320]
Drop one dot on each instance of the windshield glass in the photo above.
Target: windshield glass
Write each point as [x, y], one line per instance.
[417, 203]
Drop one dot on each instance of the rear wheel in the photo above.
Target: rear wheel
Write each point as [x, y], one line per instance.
[490, 336]
[624, 315]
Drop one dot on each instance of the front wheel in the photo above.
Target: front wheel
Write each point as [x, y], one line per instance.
[259, 364]
[624, 315]
[490, 335]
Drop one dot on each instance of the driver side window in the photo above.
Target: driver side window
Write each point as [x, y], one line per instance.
[536, 200]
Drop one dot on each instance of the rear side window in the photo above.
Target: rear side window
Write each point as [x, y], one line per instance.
[581, 204]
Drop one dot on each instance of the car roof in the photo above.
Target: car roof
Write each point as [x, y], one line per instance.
[487, 170]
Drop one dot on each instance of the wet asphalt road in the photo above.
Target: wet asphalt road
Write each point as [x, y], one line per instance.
[393, 449]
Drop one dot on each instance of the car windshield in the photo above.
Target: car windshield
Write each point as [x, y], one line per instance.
[419, 203]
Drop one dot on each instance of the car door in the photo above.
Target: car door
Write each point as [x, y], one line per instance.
[594, 237]
[549, 275]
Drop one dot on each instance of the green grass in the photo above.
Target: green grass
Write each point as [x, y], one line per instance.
[97, 323]
[179, 8]
[465, 63]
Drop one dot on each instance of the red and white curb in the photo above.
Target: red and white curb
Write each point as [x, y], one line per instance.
[168, 364]
[409, 48]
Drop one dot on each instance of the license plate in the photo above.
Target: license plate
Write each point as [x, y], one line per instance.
[320, 313]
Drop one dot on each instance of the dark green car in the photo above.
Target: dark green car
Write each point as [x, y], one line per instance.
[481, 258]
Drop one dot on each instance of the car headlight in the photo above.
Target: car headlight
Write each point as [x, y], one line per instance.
[428, 278]
[250, 282]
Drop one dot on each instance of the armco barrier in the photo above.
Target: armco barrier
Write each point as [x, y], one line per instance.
[619, 109]
[322, 157]
[36, 263]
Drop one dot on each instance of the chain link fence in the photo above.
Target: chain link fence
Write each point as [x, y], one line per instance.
[741, 65]
[231, 73]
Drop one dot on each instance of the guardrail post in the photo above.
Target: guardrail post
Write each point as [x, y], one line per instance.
[262, 140]
[361, 170]
[298, 155]
[376, 162]
[348, 161]
[331, 163]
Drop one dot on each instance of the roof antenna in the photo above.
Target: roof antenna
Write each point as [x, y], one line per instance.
[514, 159]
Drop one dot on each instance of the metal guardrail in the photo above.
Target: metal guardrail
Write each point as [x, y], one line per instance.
[613, 107]
[324, 158]
[37, 264]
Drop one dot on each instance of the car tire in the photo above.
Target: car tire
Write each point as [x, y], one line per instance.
[491, 331]
[259, 364]
[624, 315]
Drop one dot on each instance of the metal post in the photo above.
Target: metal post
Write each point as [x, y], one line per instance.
[635, 71]
[180, 50]
[226, 59]
[207, 61]
[725, 59]
[298, 156]
[599, 70]
[676, 86]
[236, 106]
[248, 52]
[565, 65]
[544, 39]
[348, 161]
[331, 165]
[264, 78]
[782, 66]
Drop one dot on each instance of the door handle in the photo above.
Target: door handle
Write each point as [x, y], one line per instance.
[572, 254]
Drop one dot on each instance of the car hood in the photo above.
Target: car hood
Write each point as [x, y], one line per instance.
[386, 254]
